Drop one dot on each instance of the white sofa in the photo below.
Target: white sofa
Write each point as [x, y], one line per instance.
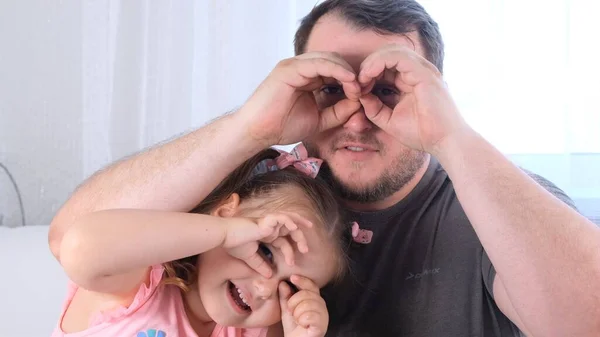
[32, 283]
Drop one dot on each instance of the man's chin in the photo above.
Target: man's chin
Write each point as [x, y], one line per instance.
[363, 185]
[353, 187]
[363, 194]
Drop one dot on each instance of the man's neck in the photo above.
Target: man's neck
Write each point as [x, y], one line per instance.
[394, 198]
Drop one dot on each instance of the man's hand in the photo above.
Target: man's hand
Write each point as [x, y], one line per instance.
[244, 236]
[425, 114]
[283, 109]
[303, 313]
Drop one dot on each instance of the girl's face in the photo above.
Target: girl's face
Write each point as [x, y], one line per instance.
[222, 278]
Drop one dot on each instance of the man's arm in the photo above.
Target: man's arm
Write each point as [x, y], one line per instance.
[179, 174]
[546, 255]
[171, 177]
[494, 284]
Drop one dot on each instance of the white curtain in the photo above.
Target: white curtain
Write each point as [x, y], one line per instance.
[84, 83]
[155, 69]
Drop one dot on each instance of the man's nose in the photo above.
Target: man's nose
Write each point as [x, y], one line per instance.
[265, 288]
[358, 122]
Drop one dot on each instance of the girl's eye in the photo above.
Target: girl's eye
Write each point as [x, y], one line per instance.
[265, 252]
[292, 286]
[332, 90]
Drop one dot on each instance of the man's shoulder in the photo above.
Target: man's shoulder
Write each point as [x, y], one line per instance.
[448, 190]
[551, 187]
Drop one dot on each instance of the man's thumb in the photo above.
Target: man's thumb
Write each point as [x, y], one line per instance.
[337, 114]
[375, 110]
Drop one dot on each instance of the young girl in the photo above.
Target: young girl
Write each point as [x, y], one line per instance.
[255, 252]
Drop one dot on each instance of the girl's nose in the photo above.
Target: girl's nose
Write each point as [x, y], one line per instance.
[265, 288]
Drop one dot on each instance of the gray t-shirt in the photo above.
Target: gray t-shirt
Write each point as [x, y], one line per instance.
[424, 273]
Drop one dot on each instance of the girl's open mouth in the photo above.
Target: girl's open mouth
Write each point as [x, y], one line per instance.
[238, 298]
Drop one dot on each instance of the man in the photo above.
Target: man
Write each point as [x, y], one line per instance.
[464, 242]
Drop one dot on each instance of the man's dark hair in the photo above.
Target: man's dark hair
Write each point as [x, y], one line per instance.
[382, 16]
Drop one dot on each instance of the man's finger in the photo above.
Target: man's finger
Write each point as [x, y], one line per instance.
[375, 110]
[351, 89]
[412, 68]
[367, 87]
[337, 114]
[332, 56]
[320, 67]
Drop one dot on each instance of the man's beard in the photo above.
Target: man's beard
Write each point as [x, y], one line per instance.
[402, 170]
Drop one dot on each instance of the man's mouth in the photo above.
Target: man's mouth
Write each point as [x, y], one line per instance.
[238, 297]
[355, 148]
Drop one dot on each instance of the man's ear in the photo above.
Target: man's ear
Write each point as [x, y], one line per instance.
[228, 207]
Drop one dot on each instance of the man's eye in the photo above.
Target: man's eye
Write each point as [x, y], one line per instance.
[332, 90]
[384, 91]
[265, 252]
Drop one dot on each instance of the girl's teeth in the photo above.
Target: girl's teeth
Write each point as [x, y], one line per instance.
[242, 297]
[355, 148]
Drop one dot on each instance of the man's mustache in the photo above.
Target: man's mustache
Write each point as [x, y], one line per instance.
[367, 138]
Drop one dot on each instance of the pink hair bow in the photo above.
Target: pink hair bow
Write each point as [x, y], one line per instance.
[298, 158]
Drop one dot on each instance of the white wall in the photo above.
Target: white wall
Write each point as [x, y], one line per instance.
[32, 284]
[40, 104]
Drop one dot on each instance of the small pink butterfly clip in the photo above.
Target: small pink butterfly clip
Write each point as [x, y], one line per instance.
[362, 236]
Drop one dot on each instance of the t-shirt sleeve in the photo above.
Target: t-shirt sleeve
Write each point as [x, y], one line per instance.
[144, 292]
[487, 269]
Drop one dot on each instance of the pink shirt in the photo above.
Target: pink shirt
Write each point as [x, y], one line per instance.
[155, 312]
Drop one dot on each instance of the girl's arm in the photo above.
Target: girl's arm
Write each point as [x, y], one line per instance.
[174, 176]
[111, 251]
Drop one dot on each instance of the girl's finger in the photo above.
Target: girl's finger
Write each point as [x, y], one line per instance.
[300, 220]
[304, 283]
[302, 296]
[258, 263]
[312, 321]
[286, 249]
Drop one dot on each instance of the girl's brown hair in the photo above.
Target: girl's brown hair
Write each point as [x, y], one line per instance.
[247, 184]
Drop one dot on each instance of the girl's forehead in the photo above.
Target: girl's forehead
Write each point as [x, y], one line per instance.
[299, 204]
[318, 264]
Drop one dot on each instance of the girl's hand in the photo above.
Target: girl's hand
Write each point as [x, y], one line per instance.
[303, 313]
[244, 236]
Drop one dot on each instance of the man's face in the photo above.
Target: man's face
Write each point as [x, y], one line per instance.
[366, 164]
